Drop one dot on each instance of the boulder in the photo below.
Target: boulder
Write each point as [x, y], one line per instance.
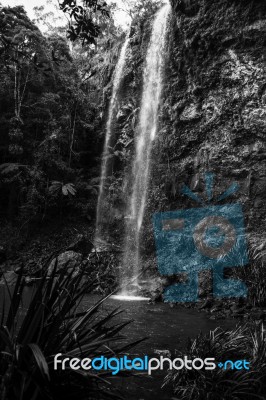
[82, 245]
[208, 303]
[156, 297]
[66, 261]
[9, 278]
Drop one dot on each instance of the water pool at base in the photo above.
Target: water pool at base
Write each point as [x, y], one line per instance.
[167, 328]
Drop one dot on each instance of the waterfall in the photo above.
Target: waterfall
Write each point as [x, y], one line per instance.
[148, 120]
[107, 156]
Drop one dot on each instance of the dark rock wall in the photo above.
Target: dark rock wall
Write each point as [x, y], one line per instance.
[213, 116]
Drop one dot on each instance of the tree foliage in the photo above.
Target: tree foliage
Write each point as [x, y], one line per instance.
[137, 9]
[54, 97]
[47, 118]
[84, 19]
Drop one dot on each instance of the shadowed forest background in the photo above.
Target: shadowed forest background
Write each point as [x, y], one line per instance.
[54, 96]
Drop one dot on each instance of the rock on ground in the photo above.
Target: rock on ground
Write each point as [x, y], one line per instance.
[67, 260]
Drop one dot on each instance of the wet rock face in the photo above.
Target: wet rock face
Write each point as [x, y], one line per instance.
[214, 109]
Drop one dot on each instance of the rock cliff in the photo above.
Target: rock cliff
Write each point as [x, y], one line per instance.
[213, 111]
[213, 116]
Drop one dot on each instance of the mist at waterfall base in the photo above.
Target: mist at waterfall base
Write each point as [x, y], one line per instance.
[138, 180]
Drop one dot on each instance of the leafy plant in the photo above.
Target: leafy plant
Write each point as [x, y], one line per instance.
[244, 342]
[55, 323]
[255, 273]
[65, 189]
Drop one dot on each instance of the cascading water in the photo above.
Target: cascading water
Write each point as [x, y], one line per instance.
[102, 213]
[152, 90]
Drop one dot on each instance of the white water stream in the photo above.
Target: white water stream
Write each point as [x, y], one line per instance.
[148, 121]
[106, 158]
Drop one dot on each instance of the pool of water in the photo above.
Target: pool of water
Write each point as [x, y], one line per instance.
[166, 328]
